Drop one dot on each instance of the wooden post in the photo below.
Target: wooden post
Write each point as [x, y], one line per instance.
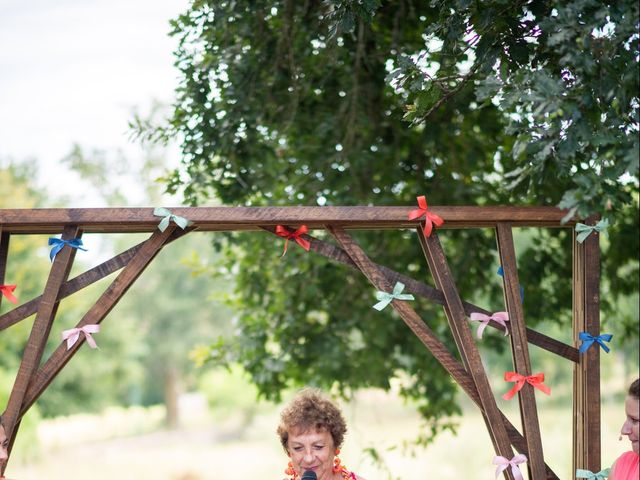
[586, 374]
[4, 253]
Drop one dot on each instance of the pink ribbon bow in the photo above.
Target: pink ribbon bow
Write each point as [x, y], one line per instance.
[72, 335]
[503, 464]
[281, 231]
[430, 218]
[498, 317]
[7, 291]
[533, 380]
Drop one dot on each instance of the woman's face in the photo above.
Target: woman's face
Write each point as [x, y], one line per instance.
[4, 445]
[312, 450]
[630, 425]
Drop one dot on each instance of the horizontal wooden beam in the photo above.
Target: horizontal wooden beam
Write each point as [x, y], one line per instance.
[135, 220]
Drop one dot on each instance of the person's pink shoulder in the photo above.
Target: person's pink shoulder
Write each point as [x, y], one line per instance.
[626, 467]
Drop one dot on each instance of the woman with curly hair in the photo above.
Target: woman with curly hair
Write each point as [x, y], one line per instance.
[311, 431]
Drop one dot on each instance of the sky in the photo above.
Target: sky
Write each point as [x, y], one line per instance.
[73, 71]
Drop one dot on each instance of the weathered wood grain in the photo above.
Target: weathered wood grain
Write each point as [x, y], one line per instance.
[111, 220]
[96, 314]
[469, 354]
[520, 351]
[586, 377]
[425, 334]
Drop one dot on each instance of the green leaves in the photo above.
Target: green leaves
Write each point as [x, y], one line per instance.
[356, 103]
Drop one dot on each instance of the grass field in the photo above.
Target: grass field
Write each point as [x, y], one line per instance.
[130, 445]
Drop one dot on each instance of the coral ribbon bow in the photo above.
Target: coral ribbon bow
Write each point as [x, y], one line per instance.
[601, 475]
[7, 291]
[533, 380]
[59, 244]
[430, 218]
[503, 464]
[588, 340]
[72, 335]
[281, 231]
[498, 317]
[167, 217]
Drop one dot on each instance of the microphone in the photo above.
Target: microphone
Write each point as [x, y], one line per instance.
[309, 475]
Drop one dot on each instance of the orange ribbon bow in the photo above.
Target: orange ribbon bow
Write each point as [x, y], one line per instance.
[430, 218]
[282, 231]
[533, 380]
[7, 291]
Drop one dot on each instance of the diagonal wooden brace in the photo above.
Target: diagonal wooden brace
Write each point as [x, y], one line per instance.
[40, 331]
[425, 335]
[419, 288]
[468, 351]
[96, 314]
[81, 281]
[520, 351]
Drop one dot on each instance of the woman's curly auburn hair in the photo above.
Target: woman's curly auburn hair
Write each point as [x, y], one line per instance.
[310, 410]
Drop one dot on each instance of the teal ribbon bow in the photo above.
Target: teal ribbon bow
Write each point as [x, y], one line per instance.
[59, 244]
[385, 298]
[585, 230]
[167, 217]
[601, 475]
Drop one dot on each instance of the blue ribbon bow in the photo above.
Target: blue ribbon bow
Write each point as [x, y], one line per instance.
[168, 216]
[589, 339]
[601, 475]
[501, 273]
[385, 298]
[60, 243]
[584, 230]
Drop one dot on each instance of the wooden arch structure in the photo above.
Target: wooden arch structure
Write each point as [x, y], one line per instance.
[34, 375]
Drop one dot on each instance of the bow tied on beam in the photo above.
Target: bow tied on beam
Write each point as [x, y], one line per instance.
[168, 217]
[7, 291]
[601, 475]
[59, 243]
[498, 317]
[502, 464]
[533, 380]
[430, 219]
[588, 340]
[296, 236]
[584, 230]
[72, 335]
[385, 298]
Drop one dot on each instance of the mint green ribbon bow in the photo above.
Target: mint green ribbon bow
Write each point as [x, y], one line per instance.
[585, 230]
[168, 216]
[601, 475]
[385, 298]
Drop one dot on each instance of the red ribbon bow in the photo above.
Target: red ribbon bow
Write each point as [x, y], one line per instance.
[430, 218]
[533, 380]
[7, 291]
[281, 231]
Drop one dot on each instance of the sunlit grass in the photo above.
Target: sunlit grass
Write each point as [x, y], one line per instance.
[127, 444]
